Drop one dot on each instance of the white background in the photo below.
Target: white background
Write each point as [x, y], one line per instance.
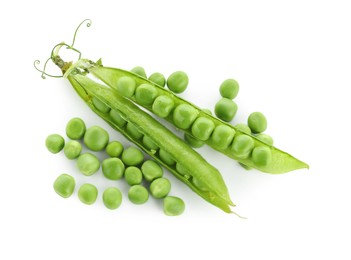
[292, 60]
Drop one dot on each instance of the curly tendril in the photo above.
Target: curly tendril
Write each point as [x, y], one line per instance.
[37, 62]
[88, 24]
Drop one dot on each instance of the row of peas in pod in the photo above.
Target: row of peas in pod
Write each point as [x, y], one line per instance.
[143, 176]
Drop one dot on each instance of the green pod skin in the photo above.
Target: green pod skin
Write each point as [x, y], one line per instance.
[216, 191]
[281, 161]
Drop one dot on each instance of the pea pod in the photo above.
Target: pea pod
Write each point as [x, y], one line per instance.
[280, 162]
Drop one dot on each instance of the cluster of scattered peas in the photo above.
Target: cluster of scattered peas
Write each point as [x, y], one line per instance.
[128, 163]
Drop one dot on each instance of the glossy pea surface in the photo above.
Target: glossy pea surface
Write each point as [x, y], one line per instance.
[96, 138]
[160, 187]
[87, 193]
[163, 106]
[257, 122]
[265, 138]
[113, 168]
[226, 109]
[184, 115]
[112, 198]
[72, 149]
[151, 170]
[222, 136]
[133, 175]
[75, 128]
[114, 149]
[88, 164]
[261, 156]
[202, 128]
[158, 79]
[138, 194]
[173, 206]
[54, 143]
[229, 88]
[145, 94]
[178, 81]
[64, 185]
[139, 71]
[242, 146]
[126, 86]
[132, 156]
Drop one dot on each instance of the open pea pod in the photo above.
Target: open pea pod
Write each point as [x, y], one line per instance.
[119, 112]
[277, 161]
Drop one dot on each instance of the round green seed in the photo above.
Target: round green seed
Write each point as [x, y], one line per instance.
[178, 81]
[265, 138]
[184, 115]
[163, 106]
[112, 168]
[202, 128]
[199, 184]
[87, 193]
[126, 86]
[173, 206]
[261, 156]
[222, 136]
[149, 143]
[145, 94]
[207, 111]
[112, 198]
[96, 138]
[182, 170]
[229, 88]
[88, 164]
[54, 143]
[151, 170]
[132, 156]
[133, 131]
[139, 71]
[192, 141]
[166, 157]
[158, 79]
[138, 194]
[117, 118]
[99, 105]
[64, 185]
[257, 122]
[133, 175]
[225, 109]
[114, 149]
[160, 187]
[243, 128]
[75, 128]
[72, 149]
[242, 146]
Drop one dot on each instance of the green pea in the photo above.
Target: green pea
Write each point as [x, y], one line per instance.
[75, 128]
[138, 194]
[192, 141]
[112, 168]
[261, 156]
[96, 138]
[139, 71]
[99, 105]
[202, 128]
[184, 115]
[178, 81]
[166, 157]
[225, 109]
[88, 164]
[160, 187]
[72, 149]
[242, 146]
[87, 193]
[126, 86]
[133, 175]
[158, 79]
[229, 88]
[222, 136]
[151, 170]
[114, 149]
[173, 206]
[145, 94]
[54, 143]
[163, 106]
[199, 184]
[243, 128]
[112, 198]
[133, 131]
[132, 156]
[265, 138]
[207, 111]
[149, 144]
[257, 122]
[182, 170]
[117, 118]
[64, 185]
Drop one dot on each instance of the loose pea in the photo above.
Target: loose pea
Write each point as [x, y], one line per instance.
[242, 146]
[87, 193]
[192, 141]
[132, 156]
[149, 144]
[225, 109]
[112, 198]
[151, 170]
[173, 206]
[54, 143]
[202, 128]
[72, 149]
[133, 175]
[75, 128]
[112, 168]
[166, 157]
[229, 88]
[158, 79]
[139, 71]
[117, 118]
[99, 105]
[96, 138]
[261, 156]
[184, 115]
[163, 106]
[88, 164]
[243, 128]
[64, 185]
[265, 138]
[138, 194]
[114, 149]
[160, 187]
[145, 94]
[126, 86]
[133, 131]
[177, 81]
[257, 122]
[222, 136]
